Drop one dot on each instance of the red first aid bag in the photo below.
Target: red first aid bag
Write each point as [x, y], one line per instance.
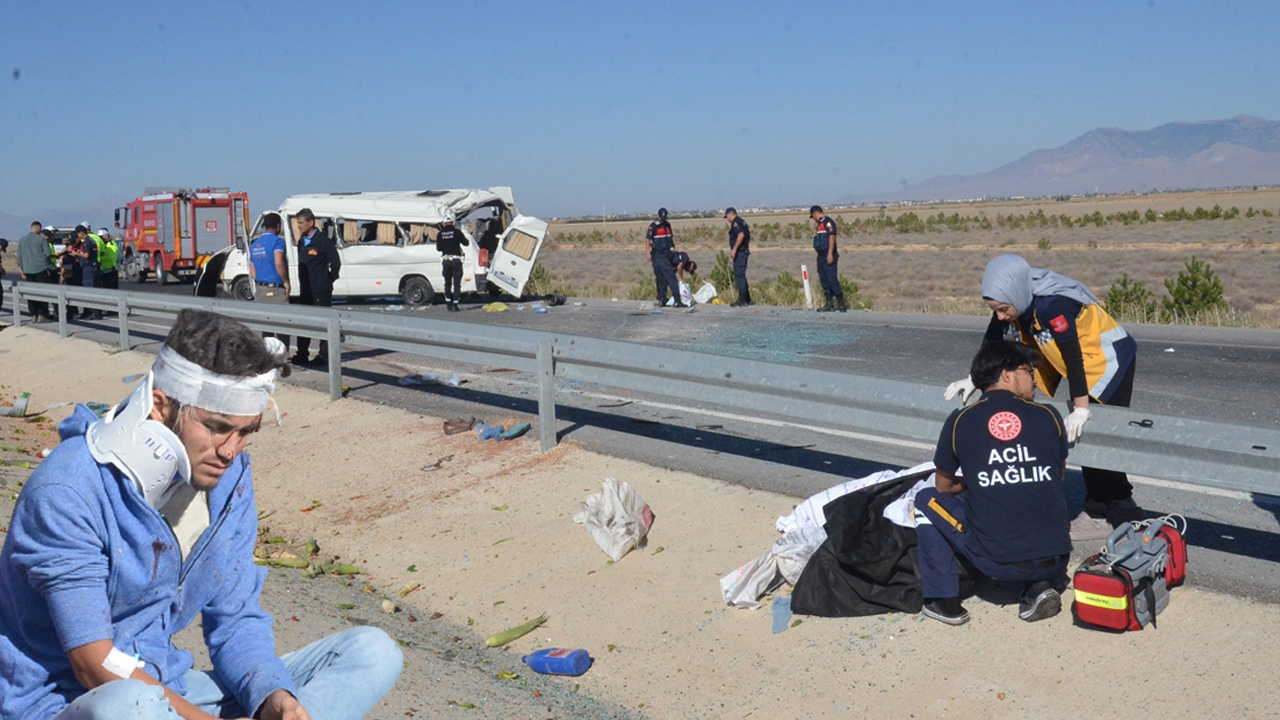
[1126, 585]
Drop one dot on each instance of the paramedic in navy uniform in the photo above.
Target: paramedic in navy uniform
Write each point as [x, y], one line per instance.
[660, 243]
[1008, 512]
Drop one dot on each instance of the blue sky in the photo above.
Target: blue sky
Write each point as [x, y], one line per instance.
[584, 107]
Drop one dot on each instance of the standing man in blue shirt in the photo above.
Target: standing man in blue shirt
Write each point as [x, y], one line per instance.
[824, 243]
[739, 252]
[143, 522]
[1006, 510]
[660, 243]
[269, 268]
[318, 266]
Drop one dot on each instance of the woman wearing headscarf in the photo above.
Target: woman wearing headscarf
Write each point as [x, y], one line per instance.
[1081, 342]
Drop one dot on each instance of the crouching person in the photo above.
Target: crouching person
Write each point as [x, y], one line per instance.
[1007, 512]
[140, 522]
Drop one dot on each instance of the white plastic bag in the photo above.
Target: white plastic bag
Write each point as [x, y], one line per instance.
[705, 294]
[684, 295]
[617, 518]
[784, 561]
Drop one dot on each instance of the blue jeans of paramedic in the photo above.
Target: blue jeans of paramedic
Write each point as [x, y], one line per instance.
[339, 678]
[740, 274]
[829, 275]
[664, 275]
[944, 539]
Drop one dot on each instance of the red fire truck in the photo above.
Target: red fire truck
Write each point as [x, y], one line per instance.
[171, 232]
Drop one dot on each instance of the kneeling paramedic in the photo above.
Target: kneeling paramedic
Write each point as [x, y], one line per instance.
[1007, 513]
[139, 523]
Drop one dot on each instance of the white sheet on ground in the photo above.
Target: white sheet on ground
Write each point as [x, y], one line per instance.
[899, 512]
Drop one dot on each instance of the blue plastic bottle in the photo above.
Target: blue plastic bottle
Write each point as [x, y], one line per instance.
[558, 661]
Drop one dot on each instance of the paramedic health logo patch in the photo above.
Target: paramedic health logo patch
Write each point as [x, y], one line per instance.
[1004, 426]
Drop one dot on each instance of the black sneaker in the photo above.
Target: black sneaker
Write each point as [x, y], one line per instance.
[299, 359]
[947, 610]
[1040, 601]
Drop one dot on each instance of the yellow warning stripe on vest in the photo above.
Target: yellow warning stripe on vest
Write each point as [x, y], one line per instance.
[936, 507]
[1102, 601]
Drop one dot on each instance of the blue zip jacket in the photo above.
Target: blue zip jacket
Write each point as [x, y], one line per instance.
[86, 558]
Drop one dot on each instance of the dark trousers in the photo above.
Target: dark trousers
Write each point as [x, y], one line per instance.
[664, 276]
[1106, 486]
[829, 275]
[89, 276]
[740, 275]
[945, 539]
[452, 281]
[109, 279]
[36, 307]
[304, 342]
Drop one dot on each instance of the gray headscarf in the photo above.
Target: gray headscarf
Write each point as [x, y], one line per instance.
[1011, 279]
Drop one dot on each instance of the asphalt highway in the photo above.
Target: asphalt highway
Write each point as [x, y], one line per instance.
[1221, 374]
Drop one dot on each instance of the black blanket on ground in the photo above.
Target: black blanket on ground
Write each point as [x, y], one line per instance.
[868, 565]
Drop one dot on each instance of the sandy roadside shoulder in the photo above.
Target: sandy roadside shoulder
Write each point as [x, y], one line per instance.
[491, 540]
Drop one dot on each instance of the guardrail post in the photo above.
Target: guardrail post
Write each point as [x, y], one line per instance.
[335, 359]
[62, 312]
[546, 395]
[17, 304]
[122, 314]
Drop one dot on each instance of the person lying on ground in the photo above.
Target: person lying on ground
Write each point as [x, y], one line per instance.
[140, 522]
[1006, 513]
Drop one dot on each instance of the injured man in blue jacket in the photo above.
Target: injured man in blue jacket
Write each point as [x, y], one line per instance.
[141, 521]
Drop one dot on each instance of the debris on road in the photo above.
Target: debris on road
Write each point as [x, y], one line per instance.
[495, 307]
[617, 518]
[458, 425]
[515, 633]
[558, 661]
[19, 408]
[516, 431]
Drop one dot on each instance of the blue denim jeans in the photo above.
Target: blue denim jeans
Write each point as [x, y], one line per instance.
[339, 678]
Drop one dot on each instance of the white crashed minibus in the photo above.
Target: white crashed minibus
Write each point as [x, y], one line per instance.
[387, 244]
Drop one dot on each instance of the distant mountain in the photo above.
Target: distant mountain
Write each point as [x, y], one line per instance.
[1180, 155]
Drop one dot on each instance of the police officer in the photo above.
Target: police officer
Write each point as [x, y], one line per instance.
[449, 242]
[318, 266]
[660, 243]
[1007, 514]
[90, 264]
[739, 252]
[824, 243]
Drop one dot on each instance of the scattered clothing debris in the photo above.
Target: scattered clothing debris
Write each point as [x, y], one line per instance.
[458, 425]
[617, 518]
[489, 432]
[516, 431]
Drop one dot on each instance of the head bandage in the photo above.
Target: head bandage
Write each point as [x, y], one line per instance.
[188, 383]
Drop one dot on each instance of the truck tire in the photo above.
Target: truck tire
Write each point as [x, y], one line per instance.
[417, 291]
[241, 289]
[162, 277]
[135, 270]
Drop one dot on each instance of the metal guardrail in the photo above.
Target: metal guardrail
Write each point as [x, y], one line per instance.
[1202, 452]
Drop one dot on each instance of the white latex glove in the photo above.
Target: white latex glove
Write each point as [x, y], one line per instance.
[1075, 423]
[964, 388]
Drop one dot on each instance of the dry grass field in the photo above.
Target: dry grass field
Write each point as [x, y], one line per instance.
[914, 267]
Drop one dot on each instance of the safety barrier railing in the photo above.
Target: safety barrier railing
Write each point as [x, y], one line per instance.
[1192, 450]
